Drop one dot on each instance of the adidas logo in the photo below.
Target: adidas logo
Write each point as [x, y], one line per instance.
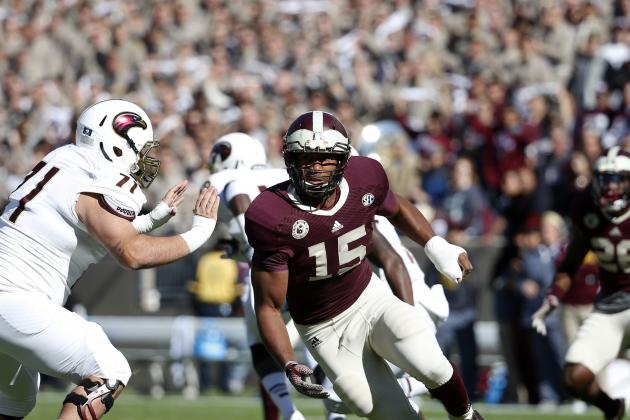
[336, 226]
[615, 232]
[315, 342]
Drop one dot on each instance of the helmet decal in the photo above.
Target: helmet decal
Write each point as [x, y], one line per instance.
[124, 121]
[220, 152]
[104, 153]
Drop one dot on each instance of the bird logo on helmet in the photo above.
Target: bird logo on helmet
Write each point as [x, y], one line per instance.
[315, 132]
[611, 181]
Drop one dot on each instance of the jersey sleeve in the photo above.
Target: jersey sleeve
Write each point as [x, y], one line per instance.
[238, 187]
[386, 199]
[270, 252]
[118, 194]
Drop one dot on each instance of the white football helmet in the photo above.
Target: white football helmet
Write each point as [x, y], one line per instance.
[611, 181]
[120, 132]
[236, 151]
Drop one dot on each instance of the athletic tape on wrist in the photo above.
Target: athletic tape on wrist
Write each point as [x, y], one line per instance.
[152, 220]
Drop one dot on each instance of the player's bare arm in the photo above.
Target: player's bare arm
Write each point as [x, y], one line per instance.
[270, 289]
[384, 255]
[412, 223]
[239, 204]
[137, 251]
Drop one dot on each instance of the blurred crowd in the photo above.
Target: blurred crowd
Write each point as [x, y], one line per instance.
[488, 112]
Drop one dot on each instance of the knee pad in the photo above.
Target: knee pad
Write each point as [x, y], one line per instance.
[103, 391]
[355, 393]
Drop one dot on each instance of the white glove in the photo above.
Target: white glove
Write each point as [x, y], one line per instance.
[299, 376]
[154, 219]
[538, 319]
[444, 257]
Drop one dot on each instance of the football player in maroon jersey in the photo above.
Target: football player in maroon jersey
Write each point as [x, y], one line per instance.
[310, 236]
[601, 223]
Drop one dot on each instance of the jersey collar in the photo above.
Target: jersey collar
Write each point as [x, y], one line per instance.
[343, 196]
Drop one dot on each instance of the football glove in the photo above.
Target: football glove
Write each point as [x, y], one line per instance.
[538, 318]
[299, 376]
[444, 257]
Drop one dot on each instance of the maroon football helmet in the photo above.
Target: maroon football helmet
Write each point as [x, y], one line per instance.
[315, 132]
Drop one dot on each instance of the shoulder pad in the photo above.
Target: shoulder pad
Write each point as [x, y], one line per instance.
[120, 194]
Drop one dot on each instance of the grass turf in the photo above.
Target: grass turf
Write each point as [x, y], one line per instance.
[135, 407]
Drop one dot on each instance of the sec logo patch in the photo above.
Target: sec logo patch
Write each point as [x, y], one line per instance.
[367, 199]
[300, 229]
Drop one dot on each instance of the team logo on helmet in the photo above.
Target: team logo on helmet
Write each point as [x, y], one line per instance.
[124, 121]
[591, 220]
[367, 199]
[300, 229]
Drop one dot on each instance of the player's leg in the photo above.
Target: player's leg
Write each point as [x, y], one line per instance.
[596, 344]
[362, 380]
[270, 373]
[407, 340]
[50, 339]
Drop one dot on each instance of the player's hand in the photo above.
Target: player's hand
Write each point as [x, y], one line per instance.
[450, 260]
[207, 204]
[175, 196]
[299, 376]
[538, 318]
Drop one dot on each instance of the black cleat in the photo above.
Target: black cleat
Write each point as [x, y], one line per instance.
[621, 411]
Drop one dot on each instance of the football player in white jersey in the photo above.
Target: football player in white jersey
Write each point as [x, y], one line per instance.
[76, 205]
[239, 169]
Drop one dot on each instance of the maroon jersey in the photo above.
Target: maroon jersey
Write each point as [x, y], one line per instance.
[323, 250]
[609, 240]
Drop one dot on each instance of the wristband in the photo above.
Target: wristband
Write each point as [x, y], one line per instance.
[152, 220]
[200, 232]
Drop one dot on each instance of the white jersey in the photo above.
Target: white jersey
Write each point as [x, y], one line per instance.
[44, 247]
[431, 298]
[251, 182]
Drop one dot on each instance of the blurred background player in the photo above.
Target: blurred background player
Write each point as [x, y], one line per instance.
[239, 172]
[600, 224]
[76, 205]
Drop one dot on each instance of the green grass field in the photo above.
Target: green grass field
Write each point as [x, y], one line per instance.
[136, 407]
